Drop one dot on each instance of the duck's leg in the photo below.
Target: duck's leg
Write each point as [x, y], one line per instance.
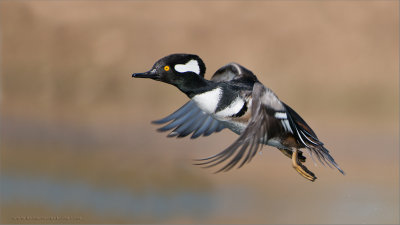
[300, 168]
[289, 154]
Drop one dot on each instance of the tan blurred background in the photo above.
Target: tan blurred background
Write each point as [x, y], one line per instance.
[77, 145]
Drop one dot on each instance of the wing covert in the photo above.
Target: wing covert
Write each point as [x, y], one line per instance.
[233, 71]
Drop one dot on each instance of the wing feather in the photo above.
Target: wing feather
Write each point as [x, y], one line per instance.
[189, 119]
[186, 128]
[212, 128]
[178, 113]
[202, 127]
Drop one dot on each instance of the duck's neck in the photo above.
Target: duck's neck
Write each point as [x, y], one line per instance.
[196, 85]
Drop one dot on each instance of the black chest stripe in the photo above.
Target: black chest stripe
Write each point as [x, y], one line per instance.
[242, 111]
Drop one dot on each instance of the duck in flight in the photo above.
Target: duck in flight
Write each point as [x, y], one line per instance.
[236, 100]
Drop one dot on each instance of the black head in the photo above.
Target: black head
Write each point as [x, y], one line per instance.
[176, 69]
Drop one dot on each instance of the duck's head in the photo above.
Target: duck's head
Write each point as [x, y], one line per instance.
[176, 69]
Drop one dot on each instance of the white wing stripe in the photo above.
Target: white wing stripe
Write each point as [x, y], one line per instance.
[280, 115]
[286, 126]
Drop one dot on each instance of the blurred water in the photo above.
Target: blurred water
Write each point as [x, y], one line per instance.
[59, 194]
[349, 203]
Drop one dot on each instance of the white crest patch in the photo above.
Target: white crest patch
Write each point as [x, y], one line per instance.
[208, 101]
[191, 66]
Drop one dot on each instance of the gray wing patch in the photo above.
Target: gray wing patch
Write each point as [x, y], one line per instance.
[270, 100]
[232, 71]
[189, 119]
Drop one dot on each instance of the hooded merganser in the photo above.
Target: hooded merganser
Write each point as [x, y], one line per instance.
[235, 99]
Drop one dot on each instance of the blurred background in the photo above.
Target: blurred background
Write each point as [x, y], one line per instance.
[76, 141]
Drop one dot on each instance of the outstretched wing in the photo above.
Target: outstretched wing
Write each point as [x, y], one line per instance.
[309, 139]
[263, 124]
[190, 119]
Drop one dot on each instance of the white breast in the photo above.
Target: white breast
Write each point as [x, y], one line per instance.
[208, 101]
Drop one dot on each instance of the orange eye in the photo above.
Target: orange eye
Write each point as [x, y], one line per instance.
[166, 68]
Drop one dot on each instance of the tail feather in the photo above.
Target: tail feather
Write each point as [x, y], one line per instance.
[310, 140]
